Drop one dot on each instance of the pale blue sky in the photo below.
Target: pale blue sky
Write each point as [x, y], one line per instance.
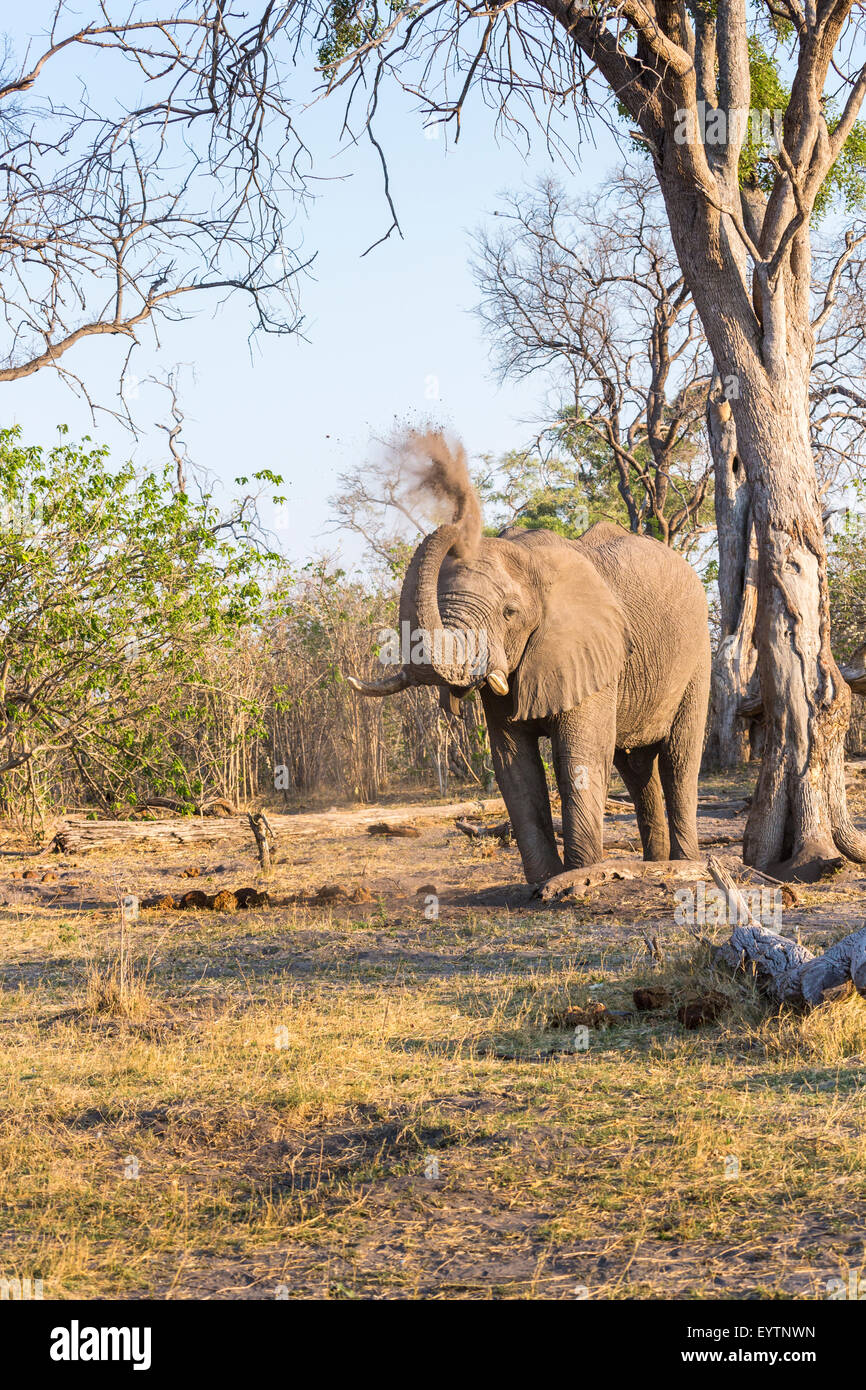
[382, 332]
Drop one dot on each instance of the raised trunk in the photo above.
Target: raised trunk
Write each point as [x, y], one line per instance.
[733, 510]
[419, 603]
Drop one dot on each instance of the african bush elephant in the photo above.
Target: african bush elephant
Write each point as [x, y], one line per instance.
[600, 643]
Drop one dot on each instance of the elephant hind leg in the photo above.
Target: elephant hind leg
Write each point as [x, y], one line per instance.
[679, 765]
[639, 771]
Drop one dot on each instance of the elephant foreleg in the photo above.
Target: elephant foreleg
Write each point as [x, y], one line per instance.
[583, 742]
[520, 775]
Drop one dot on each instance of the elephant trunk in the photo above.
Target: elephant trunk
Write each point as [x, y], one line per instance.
[450, 657]
[425, 601]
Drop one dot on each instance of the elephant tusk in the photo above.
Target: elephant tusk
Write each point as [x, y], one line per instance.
[388, 685]
[497, 682]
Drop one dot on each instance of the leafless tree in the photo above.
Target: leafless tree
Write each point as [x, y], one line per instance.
[179, 180]
[590, 293]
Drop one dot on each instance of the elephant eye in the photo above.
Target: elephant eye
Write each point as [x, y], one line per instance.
[509, 611]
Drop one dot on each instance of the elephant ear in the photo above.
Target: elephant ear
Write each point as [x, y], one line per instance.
[580, 644]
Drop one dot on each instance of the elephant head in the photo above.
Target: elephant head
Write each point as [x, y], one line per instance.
[524, 612]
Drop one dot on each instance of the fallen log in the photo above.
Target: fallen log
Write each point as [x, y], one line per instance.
[617, 804]
[76, 834]
[704, 842]
[786, 971]
[575, 882]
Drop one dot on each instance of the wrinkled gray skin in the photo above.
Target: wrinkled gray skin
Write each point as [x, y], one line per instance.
[604, 645]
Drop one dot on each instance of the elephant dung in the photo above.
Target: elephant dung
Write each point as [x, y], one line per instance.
[705, 1008]
[595, 1015]
[340, 892]
[252, 897]
[196, 898]
[653, 997]
[225, 901]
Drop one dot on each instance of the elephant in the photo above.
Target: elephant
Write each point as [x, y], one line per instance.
[600, 643]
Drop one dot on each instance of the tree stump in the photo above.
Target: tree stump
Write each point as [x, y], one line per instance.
[265, 839]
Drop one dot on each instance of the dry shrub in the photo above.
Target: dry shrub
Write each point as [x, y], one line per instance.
[115, 989]
[117, 986]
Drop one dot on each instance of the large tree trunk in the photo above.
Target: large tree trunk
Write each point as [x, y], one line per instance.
[734, 663]
[799, 820]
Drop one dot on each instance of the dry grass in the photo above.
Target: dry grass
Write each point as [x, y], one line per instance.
[358, 1102]
[117, 986]
[115, 990]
